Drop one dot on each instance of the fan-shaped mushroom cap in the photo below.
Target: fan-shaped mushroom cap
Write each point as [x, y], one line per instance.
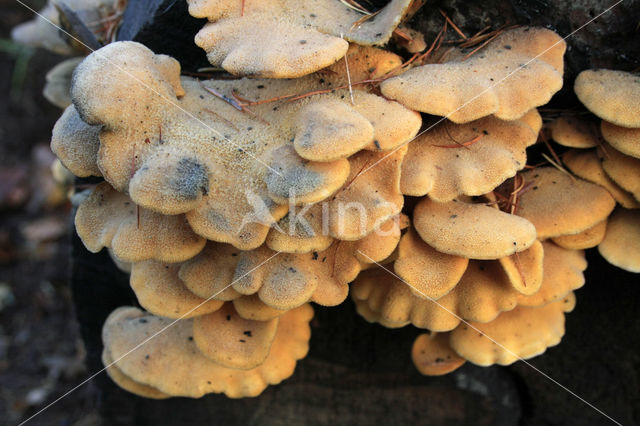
[611, 95]
[76, 144]
[621, 244]
[430, 273]
[524, 270]
[40, 32]
[232, 341]
[58, 82]
[520, 334]
[437, 164]
[172, 363]
[290, 280]
[519, 70]
[622, 169]
[160, 291]
[252, 308]
[369, 198]
[363, 309]
[302, 231]
[329, 129]
[473, 231]
[483, 292]
[573, 132]
[559, 204]
[286, 280]
[44, 30]
[533, 119]
[563, 273]
[365, 63]
[126, 383]
[322, 127]
[432, 355]
[240, 182]
[108, 218]
[210, 273]
[623, 139]
[588, 166]
[286, 39]
[588, 238]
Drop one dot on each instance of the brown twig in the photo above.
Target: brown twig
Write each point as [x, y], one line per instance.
[363, 19]
[489, 40]
[236, 102]
[229, 123]
[466, 144]
[454, 26]
[519, 268]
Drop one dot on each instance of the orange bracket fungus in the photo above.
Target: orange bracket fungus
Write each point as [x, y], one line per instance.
[518, 70]
[612, 95]
[76, 144]
[433, 356]
[240, 181]
[107, 218]
[573, 132]
[519, 334]
[172, 364]
[286, 39]
[559, 204]
[237, 201]
[621, 244]
[467, 159]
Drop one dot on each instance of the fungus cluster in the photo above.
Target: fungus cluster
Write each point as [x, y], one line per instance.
[608, 155]
[237, 202]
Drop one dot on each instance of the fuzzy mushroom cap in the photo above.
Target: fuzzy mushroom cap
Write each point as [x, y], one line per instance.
[588, 238]
[237, 185]
[370, 197]
[492, 81]
[483, 292]
[302, 230]
[588, 166]
[429, 273]
[621, 244]
[432, 355]
[252, 308]
[474, 231]
[232, 341]
[622, 169]
[160, 291]
[623, 139]
[525, 269]
[558, 204]
[520, 334]
[284, 280]
[58, 82]
[127, 383]
[612, 95]
[108, 218]
[574, 132]
[210, 274]
[437, 164]
[172, 363]
[76, 144]
[40, 33]
[287, 39]
[563, 273]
